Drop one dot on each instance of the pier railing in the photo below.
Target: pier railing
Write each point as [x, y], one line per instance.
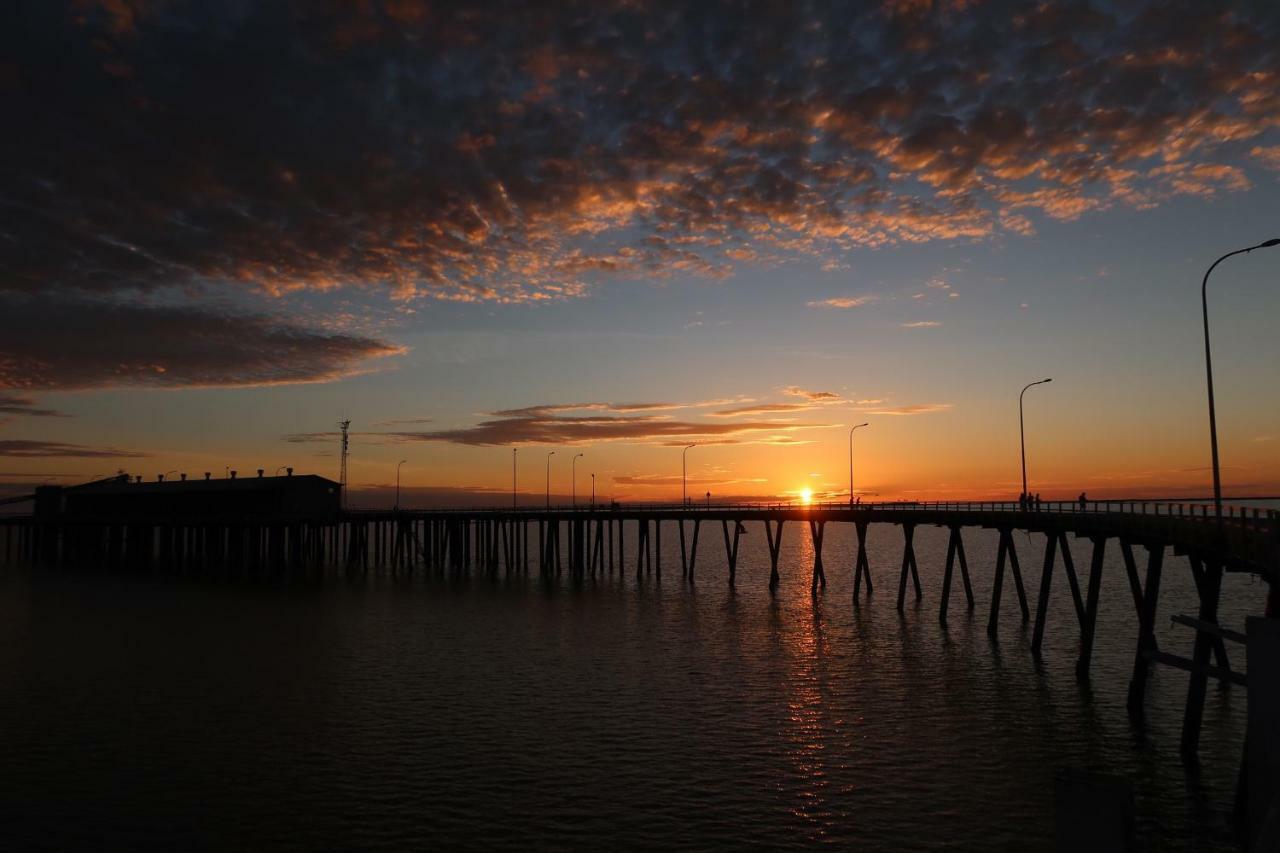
[1240, 515]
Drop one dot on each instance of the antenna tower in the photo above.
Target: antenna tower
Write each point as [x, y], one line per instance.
[345, 425]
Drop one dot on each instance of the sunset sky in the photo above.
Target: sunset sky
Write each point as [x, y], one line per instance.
[615, 231]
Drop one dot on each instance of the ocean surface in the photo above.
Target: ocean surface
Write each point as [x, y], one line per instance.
[161, 712]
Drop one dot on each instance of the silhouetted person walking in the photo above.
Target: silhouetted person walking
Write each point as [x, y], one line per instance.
[1083, 500]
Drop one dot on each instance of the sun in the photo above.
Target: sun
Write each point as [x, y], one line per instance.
[806, 495]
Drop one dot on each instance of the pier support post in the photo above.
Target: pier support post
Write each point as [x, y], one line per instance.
[1131, 571]
[1259, 784]
[1017, 580]
[1091, 608]
[731, 551]
[1069, 566]
[1210, 587]
[508, 529]
[861, 567]
[1046, 584]
[684, 557]
[657, 548]
[775, 544]
[908, 564]
[1146, 631]
[955, 549]
[1219, 647]
[816, 530]
[997, 583]
[693, 548]
[597, 550]
[642, 546]
[582, 547]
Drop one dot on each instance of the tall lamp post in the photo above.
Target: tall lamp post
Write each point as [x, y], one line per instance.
[593, 490]
[549, 455]
[684, 474]
[573, 475]
[513, 477]
[1208, 369]
[398, 464]
[1022, 433]
[851, 429]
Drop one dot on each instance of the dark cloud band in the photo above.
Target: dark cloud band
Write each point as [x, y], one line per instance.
[35, 449]
[49, 343]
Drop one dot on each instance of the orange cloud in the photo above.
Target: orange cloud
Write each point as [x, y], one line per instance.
[843, 302]
[917, 409]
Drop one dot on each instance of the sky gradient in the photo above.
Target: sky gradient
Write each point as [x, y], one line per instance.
[617, 230]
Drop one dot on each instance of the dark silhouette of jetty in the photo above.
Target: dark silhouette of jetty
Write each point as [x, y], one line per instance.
[278, 524]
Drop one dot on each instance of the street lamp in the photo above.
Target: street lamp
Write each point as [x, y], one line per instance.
[1208, 369]
[593, 490]
[684, 472]
[851, 429]
[1022, 433]
[398, 464]
[549, 455]
[513, 477]
[573, 476]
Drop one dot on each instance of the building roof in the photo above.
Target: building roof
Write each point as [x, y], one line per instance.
[123, 485]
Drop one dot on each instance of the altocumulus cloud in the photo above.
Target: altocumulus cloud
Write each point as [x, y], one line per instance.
[510, 151]
[161, 152]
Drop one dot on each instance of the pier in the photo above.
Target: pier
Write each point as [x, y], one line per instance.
[590, 542]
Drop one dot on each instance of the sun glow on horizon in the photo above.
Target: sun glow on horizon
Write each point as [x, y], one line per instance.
[806, 495]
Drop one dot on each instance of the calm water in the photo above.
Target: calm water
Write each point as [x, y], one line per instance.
[172, 713]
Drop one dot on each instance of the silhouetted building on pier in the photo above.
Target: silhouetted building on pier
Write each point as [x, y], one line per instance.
[205, 500]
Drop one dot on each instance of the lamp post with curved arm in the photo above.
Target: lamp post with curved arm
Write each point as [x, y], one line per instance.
[851, 429]
[1022, 433]
[573, 475]
[549, 455]
[1208, 369]
[684, 474]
